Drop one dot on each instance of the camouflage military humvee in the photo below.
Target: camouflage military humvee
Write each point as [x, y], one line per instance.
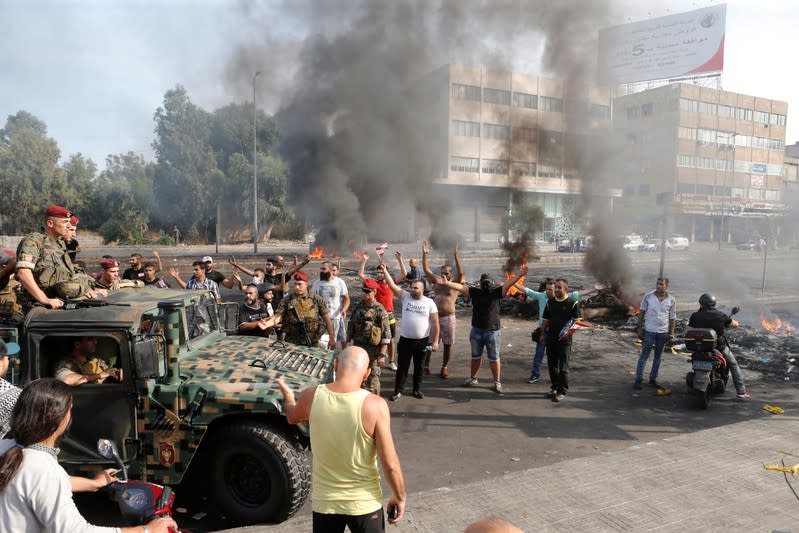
[191, 398]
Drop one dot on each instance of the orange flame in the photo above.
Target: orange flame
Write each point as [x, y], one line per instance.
[358, 254]
[317, 253]
[512, 290]
[776, 325]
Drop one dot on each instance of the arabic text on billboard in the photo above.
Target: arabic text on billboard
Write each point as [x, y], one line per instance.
[675, 46]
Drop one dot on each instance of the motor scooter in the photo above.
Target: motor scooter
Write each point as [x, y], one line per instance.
[710, 372]
[139, 501]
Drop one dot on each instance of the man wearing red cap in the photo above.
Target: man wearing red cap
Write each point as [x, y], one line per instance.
[72, 242]
[369, 328]
[44, 268]
[300, 312]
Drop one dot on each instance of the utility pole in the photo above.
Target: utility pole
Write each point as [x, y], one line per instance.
[254, 169]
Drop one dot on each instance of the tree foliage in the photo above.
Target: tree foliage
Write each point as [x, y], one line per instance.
[203, 163]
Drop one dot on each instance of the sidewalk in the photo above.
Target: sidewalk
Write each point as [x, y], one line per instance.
[711, 480]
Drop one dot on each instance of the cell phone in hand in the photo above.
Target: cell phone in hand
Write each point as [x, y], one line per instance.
[392, 511]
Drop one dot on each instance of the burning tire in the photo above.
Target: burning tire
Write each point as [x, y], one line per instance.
[259, 474]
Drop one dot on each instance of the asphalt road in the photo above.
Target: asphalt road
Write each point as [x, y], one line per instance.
[456, 435]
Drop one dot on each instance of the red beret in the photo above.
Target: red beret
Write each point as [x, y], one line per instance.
[57, 211]
[369, 283]
[301, 276]
[74, 220]
[109, 263]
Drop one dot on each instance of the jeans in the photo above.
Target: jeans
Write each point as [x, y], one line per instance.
[540, 350]
[485, 338]
[650, 339]
[735, 370]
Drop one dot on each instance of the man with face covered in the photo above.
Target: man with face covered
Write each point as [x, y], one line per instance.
[334, 292]
[485, 333]
[445, 298]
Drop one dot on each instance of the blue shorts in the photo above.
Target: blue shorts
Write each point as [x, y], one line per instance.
[485, 338]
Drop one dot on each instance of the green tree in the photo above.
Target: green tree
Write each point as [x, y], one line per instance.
[185, 165]
[77, 190]
[28, 171]
[124, 198]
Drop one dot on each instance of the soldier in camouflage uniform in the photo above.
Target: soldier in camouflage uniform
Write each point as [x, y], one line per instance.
[301, 314]
[44, 269]
[366, 319]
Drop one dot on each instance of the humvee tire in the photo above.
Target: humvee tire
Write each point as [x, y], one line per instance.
[258, 473]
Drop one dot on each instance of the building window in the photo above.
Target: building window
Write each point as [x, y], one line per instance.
[495, 166]
[465, 92]
[524, 134]
[643, 189]
[726, 111]
[774, 196]
[461, 128]
[774, 118]
[707, 108]
[496, 96]
[530, 101]
[686, 133]
[523, 168]
[600, 111]
[647, 110]
[761, 116]
[549, 171]
[686, 188]
[632, 113]
[496, 131]
[706, 190]
[692, 106]
[684, 161]
[464, 164]
[551, 146]
[757, 194]
[549, 103]
[743, 114]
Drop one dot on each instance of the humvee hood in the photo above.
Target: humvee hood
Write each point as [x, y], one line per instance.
[244, 369]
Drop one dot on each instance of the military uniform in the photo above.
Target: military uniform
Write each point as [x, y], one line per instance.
[52, 269]
[363, 318]
[301, 318]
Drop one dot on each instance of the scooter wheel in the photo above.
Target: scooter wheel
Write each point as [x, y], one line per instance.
[705, 397]
[689, 380]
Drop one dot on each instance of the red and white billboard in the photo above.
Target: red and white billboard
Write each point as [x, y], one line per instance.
[675, 46]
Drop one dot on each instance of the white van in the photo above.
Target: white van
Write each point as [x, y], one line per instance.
[677, 243]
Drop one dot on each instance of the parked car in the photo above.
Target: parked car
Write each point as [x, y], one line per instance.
[750, 245]
[677, 243]
[633, 242]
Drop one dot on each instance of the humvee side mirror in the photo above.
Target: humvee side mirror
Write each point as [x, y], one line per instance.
[107, 449]
[149, 362]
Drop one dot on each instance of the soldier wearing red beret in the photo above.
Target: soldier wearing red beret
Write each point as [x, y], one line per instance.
[300, 314]
[45, 270]
[369, 328]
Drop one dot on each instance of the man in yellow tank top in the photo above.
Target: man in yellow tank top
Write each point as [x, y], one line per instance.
[350, 429]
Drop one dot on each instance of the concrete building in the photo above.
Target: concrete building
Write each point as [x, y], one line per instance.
[500, 132]
[717, 157]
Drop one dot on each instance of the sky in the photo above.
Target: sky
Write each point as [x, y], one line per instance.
[96, 71]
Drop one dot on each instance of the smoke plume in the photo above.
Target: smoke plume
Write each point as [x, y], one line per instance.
[361, 160]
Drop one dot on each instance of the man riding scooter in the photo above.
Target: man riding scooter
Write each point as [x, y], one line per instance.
[710, 317]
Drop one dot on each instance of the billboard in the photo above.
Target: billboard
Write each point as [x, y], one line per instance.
[675, 46]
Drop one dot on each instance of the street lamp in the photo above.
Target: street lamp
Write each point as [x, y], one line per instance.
[254, 170]
[730, 146]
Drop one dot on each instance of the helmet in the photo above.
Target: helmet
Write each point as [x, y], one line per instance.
[707, 301]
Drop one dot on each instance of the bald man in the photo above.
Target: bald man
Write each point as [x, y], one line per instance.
[492, 524]
[350, 428]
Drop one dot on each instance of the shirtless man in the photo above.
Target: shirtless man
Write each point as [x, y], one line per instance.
[445, 298]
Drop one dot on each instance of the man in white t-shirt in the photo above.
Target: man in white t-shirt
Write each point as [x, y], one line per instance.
[333, 291]
[419, 332]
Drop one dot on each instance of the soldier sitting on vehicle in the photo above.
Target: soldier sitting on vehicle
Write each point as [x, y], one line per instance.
[44, 268]
[83, 367]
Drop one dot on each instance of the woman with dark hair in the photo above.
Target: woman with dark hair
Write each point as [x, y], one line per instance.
[35, 491]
